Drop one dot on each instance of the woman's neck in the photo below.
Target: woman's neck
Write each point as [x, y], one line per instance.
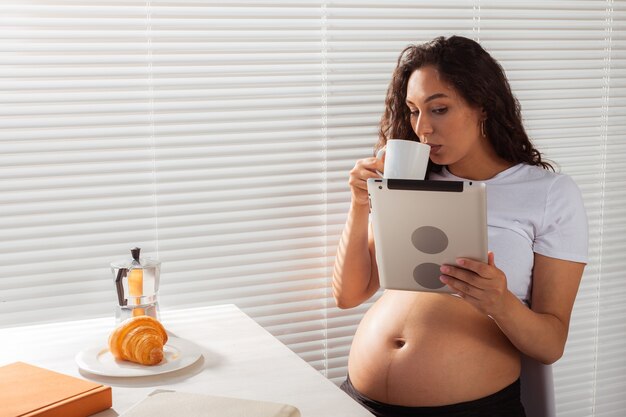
[480, 166]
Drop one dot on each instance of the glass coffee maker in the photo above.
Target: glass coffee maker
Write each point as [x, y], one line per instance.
[137, 286]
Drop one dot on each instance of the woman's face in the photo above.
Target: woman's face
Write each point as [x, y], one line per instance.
[442, 118]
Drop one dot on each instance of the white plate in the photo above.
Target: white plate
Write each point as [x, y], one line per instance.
[177, 354]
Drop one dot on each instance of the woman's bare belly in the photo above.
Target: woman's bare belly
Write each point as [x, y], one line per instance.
[427, 349]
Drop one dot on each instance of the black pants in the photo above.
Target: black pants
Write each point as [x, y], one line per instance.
[504, 403]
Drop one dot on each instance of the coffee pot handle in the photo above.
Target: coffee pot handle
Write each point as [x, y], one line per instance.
[121, 274]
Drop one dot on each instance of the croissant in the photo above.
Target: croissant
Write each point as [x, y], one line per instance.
[138, 339]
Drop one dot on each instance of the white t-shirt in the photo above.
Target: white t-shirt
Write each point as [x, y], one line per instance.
[531, 210]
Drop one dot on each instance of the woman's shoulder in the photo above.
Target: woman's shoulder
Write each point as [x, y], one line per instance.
[553, 182]
[534, 176]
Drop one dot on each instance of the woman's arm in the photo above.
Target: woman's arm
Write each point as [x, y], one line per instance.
[540, 332]
[355, 276]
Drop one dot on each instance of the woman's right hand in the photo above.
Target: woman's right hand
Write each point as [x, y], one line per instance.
[362, 171]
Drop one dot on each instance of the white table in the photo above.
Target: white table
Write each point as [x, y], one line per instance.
[240, 359]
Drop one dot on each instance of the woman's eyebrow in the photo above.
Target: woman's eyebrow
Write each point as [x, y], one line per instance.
[434, 96]
[430, 98]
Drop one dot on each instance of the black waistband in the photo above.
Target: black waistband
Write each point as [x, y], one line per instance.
[505, 402]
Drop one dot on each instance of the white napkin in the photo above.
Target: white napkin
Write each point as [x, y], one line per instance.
[172, 403]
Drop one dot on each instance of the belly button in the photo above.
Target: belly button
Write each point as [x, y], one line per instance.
[399, 343]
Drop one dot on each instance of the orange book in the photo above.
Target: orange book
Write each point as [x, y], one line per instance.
[27, 390]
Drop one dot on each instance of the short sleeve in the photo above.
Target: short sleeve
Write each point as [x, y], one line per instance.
[564, 230]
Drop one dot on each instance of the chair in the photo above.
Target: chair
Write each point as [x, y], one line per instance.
[537, 388]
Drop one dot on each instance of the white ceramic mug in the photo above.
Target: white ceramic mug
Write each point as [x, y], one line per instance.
[405, 159]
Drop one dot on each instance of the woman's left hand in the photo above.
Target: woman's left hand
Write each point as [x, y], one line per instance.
[481, 284]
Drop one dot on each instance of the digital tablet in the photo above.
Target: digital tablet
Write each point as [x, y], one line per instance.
[420, 225]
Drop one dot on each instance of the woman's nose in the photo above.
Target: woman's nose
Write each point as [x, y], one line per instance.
[422, 127]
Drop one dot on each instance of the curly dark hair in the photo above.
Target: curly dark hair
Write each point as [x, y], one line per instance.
[479, 79]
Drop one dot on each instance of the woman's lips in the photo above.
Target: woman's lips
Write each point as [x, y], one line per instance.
[434, 149]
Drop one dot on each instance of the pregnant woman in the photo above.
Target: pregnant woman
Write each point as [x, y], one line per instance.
[434, 354]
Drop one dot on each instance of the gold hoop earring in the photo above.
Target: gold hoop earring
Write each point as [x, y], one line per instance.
[482, 129]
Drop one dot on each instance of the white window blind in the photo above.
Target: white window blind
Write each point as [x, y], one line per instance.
[218, 136]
